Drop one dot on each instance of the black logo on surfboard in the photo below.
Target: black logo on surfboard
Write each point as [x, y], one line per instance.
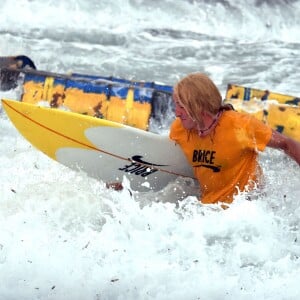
[140, 167]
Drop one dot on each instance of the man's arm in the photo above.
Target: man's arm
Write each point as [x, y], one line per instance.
[288, 145]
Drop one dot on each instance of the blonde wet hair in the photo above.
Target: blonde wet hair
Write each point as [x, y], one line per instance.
[197, 93]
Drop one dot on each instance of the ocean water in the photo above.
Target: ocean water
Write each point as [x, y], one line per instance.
[63, 235]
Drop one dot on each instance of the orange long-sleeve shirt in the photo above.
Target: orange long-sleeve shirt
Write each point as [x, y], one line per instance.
[226, 159]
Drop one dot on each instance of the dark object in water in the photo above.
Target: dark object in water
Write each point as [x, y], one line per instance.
[8, 66]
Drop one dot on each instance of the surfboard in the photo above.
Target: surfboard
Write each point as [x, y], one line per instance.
[280, 112]
[249, 94]
[103, 149]
[120, 100]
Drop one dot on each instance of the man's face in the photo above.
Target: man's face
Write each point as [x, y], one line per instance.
[181, 113]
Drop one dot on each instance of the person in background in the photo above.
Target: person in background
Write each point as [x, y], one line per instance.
[221, 144]
[8, 70]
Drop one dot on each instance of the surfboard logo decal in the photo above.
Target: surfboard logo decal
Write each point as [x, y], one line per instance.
[140, 167]
[138, 158]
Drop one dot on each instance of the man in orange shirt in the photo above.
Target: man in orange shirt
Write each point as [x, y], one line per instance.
[221, 144]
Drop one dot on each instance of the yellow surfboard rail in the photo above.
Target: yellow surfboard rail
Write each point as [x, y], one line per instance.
[60, 134]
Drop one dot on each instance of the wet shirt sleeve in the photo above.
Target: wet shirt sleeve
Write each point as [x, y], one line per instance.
[257, 133]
